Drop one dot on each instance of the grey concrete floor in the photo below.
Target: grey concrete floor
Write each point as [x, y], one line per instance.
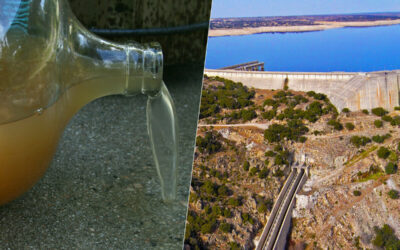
[102, 190]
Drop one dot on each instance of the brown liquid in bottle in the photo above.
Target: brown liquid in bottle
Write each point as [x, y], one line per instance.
[27, 146]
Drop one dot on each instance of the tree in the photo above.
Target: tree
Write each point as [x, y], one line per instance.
[246, 166]
[359, 140]
[391, 168]
[385, 238]
[386, 118]
[234, 246]
[225, 227]
[209, 187]
[263, 173]
[269, 115]
[379, 111]
[209, 143]
[380, 138]
[253, 171]
[346, 110]
[227, 213]
[271, 153]
[365, 111]
[208, 227]
[356, 192]
[335, 124]
[233, 202]
[349, 126]
[223, 191]
[393, 194]
[383, 153]
[378, 123]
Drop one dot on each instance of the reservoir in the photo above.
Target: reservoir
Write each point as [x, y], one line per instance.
[342, 49]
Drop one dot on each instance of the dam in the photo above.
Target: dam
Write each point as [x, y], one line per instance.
[355, 91]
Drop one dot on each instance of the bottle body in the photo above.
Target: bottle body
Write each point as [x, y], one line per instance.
[50, 67]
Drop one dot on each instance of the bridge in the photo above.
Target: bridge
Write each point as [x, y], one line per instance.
[275, 232]
[353, 90]
[249, 66]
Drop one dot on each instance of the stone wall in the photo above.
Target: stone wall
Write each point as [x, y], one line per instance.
[355, 91]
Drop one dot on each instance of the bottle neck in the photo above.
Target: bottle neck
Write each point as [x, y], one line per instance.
[144, 69]
[138, 68]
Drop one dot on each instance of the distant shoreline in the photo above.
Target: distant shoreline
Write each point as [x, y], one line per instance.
[319, 26]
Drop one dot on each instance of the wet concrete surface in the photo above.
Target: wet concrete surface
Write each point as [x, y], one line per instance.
[102, 190]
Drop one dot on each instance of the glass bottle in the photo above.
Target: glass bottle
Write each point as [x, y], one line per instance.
[50, 67]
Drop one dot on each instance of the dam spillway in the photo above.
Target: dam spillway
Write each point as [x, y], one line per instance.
[355, 91]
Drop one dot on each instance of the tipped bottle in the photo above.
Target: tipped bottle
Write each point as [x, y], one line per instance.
[50, 67]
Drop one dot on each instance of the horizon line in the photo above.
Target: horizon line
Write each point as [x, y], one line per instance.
[311, 15]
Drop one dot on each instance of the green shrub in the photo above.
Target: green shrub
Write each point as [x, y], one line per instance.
[209, 143]
[231, 95]
[210, 188]
[280, 160]
[365, 111]
[395, 121]
[225, 227]
[293, 131]
[248, 114]
[271, 102]
[391, 168]
[223, 191]
[393, 194]
[386, 118]
[349, 126]
[302, 139]
[393, 156]
[227, 213]
[253, 171]
[271, 153]
[383, 153]
[262, 208]
[208, 227]
[356, 192]
[278, 173]
[335, 124]
[269, 115]
[379, 111]
[234, 202]
[346, 110]
[386, 238]
[378, 123]
[246, 166]
[234, 246]
[380, 138]
[359, 141]
[247, 218]
[263, 173]
[278, 148]
[397, 108]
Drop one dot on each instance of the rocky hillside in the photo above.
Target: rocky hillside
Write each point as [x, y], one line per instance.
[247, 139]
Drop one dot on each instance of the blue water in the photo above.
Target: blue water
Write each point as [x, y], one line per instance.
[343, 49]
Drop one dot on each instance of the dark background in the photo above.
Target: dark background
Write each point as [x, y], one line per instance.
[139, 14]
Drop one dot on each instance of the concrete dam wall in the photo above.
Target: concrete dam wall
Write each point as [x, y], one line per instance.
[355, 91]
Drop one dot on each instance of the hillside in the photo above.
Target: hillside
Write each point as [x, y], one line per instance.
[246, 141]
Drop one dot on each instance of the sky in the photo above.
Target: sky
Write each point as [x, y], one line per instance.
[250, 8]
